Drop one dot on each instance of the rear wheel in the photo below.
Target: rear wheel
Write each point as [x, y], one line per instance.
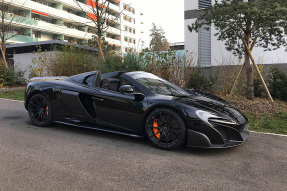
[40, 110]
[165, 129]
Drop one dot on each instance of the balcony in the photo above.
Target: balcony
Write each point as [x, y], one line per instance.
[50, 11]
[114, 31]
[113, 41]
[63, 30]
[48, 27]
[22, 39]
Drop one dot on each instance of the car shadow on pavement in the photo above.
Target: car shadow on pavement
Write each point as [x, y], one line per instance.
[141, 143]
[138, 142]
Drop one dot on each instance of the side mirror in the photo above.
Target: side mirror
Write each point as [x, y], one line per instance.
[126, 89]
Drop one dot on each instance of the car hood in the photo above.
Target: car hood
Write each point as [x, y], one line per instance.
[208, 102]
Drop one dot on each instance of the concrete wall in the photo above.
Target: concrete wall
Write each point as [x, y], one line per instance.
[227, 74]
[24, 62]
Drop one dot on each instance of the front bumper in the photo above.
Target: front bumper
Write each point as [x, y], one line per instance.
[230, 137]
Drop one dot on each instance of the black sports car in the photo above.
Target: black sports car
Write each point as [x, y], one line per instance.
[137, 104]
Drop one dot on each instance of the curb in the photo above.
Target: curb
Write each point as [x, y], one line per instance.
[11, 100]
[281, 135]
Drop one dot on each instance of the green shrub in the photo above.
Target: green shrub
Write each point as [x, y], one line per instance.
[8, 77]
[19, 78]
[199, 81]
[278, 84]
[258, 87]
[259, 90]
[112, 63]
[63, 61]
[131, 62]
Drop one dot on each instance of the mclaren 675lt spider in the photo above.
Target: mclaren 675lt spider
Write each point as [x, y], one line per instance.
[136, 104]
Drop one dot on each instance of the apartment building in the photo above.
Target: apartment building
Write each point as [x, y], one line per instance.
[209, 51]
[65, 20]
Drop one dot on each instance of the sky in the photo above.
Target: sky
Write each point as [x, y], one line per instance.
[169, 14]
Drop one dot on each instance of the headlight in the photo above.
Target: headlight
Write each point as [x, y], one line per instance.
[207, 117]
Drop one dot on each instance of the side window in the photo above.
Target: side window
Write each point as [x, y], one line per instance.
[125, 82]
[90, 80]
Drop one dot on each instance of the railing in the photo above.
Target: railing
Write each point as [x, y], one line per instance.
[113, 41]
[63, 29]
[42, 25]
[48, 10]
[114, 30]
[22, 38]
[19, 19]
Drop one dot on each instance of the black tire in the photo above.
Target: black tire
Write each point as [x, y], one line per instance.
[40, 110]
[165, 129]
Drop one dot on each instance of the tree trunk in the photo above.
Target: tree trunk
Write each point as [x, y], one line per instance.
[3, 52]
[248, 67]
[100, 47]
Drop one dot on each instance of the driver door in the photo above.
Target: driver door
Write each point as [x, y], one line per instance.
[120, 110]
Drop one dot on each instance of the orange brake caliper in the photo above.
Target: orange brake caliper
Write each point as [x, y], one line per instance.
[155, 129]
[47, 112]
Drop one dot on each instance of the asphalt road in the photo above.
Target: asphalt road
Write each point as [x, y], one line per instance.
[69, 158]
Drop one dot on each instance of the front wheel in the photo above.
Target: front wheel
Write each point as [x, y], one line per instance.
[40, 110]
[165, 129]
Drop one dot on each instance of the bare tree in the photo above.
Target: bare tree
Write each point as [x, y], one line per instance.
[8, 18]
[100, 16]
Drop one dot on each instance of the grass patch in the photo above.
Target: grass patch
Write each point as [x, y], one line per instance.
[13, 94]
[270, 123]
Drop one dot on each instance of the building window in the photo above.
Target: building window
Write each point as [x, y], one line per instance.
[202, 4]
[129, 8]
[37, 34]
[129, 19]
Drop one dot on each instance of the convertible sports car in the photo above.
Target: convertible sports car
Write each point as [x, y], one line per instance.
[137, 104]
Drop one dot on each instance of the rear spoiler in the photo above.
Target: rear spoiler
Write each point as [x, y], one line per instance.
[48, 78]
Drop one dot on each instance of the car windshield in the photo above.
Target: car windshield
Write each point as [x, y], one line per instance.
[158, 85]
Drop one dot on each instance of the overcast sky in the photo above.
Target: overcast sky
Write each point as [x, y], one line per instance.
[169, 14]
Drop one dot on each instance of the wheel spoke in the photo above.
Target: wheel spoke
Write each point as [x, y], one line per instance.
[172, 136]
[159, 120]
[166, 140]
[38, 102]
[38, 107]
[158, 132]
[173, 130]
[170, 118]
